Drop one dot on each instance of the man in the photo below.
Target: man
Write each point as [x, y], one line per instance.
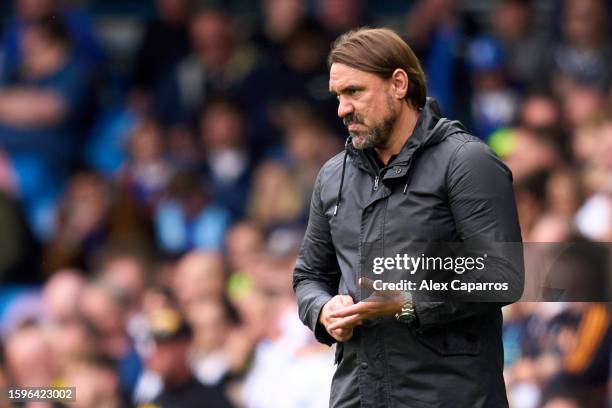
[170, 360]
[45, 101]
[42, 99]
[407, 176]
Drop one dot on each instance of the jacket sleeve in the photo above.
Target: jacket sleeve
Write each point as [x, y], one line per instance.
[481, 200]
[317, 274]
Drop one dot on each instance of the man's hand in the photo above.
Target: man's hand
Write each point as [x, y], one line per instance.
[380, 303]
[337, 303]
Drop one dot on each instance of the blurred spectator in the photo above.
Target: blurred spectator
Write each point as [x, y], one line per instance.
[61, 295]
[436, 32]
[584, 142]
[182, 147]
[339, 16]
[146, 173]
[531, 151]
[95, 377]
[564, 193]
[526, 51]
[309, 144]
[228, 159]
[187, 218]
[582, 104]
[303, 78]
[218, 64]
[169, 359]
[253, 303]
[530, 193]
[286, 357]
[243, 242]
[279, 19]
[42, 103]
[575, 274]
[540, 111]
[22, 307]
[105, 149]
[80, 225]
[29, 358]
[586, 366]
[494, 102]
[551, 228]
[522, 324]
[275, 198]
[105, 307]
[71, 338]
[43, 98]
[90, 216]
[199, 276]
[564, 400]
[165, 42]
[127, 269]
[87, 48]
[585, 54]
[600, 163]
[211, 327]
[594, 218]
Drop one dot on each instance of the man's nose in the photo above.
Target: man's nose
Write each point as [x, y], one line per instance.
[344, 108]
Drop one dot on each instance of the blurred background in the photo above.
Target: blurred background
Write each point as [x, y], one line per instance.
[156, 165]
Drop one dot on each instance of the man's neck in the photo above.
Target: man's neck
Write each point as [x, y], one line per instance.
[402, 131]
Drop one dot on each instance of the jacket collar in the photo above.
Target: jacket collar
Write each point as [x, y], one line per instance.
[429, 130]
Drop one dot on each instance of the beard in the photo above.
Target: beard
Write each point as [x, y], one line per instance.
[376, 136]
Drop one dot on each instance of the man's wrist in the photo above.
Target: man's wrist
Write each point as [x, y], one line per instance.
[407, 312]
[320, 328]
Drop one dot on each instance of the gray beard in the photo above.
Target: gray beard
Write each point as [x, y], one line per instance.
[377, 137]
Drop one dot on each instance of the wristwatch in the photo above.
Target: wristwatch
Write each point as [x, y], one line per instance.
[407, 313]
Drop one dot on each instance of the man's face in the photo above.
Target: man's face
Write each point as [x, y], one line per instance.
[366, 105]
[169, 357]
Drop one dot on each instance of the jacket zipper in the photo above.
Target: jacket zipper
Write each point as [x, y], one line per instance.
[377, 178]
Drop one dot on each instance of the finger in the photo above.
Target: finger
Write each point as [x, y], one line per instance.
[348, 311]
[346, 300]
[346, 323]
[344, 336]
[341, 332]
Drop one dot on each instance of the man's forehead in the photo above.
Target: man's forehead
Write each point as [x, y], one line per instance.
[341, 76]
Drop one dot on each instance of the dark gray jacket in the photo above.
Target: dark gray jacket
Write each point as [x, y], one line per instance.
[445, 185]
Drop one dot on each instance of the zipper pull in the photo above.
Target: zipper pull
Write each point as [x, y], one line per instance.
[376, 183]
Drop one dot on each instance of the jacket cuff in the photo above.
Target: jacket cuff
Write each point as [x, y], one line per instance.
[317, 328]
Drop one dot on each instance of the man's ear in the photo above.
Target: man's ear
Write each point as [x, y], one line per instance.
[399, 83]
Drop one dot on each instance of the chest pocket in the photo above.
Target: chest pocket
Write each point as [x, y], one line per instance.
[453, 340]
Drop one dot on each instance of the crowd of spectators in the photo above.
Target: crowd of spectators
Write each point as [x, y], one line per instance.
[151, 210]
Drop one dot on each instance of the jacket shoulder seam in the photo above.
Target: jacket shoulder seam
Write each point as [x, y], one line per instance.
[454, 157]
